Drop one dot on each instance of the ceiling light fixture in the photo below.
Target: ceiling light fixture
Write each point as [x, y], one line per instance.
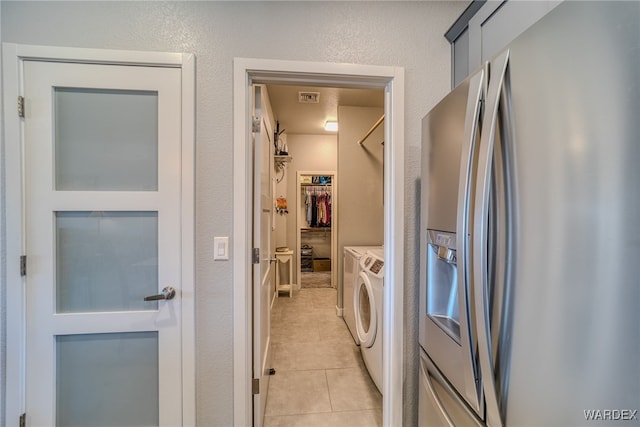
[331, 126]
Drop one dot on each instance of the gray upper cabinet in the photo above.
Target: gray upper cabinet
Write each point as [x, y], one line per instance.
[486, 27]
[460, 58]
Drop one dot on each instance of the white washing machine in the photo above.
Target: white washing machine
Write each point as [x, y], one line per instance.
[367, 302]
[351, 271]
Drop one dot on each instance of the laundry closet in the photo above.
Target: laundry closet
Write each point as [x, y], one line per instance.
[331, 184]
[328, 195]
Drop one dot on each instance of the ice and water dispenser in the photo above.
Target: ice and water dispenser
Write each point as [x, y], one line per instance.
[442, 282]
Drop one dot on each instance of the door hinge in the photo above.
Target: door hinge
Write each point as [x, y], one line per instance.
[255, 386]
[255, 124]
[23, 265]
[21, 107]
[256, 256]
[22, 421]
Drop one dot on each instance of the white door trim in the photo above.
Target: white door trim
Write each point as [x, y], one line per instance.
[246, 71]
[13, 57]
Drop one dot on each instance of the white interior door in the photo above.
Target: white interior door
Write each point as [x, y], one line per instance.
[103, 230]
[262, 287]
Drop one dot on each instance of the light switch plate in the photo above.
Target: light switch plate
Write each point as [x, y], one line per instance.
[220, 248]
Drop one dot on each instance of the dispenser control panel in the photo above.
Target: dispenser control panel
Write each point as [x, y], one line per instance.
[376, 267]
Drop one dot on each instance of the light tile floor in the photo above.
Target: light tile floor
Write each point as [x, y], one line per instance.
[320, 377]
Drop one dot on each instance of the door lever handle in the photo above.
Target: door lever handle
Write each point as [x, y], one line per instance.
[166, 294]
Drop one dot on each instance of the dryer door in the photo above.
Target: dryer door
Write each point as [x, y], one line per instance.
[365, 310]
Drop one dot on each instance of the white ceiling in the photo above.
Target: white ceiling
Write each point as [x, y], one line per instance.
[297, 118]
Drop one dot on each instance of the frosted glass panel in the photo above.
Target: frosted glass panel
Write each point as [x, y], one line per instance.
[106, 261]
[106, 140]
[107, 380]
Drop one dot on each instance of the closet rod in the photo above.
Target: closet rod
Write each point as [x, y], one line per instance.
[374, 127]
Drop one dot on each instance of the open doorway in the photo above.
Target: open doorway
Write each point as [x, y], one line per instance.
[390, 79]
[314, 164]
[316, 226]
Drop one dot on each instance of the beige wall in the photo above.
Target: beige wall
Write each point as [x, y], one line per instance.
[360, 170]
[395, 33]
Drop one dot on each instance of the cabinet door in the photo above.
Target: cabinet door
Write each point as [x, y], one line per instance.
[497, 23]
[460, 52]
[490, 29]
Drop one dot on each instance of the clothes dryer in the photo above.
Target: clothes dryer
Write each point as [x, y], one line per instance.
[368, 303]
[351, 271]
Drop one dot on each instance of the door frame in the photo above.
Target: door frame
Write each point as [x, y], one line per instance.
[250, 70]
[13, 57]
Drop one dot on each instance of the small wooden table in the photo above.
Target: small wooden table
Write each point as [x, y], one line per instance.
[284, 257]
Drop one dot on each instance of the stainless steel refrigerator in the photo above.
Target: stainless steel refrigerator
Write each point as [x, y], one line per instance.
[530, 230]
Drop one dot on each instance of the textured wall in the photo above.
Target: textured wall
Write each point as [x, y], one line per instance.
[404, 34]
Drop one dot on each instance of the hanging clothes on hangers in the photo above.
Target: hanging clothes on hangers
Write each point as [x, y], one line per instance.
[314, 210]
[318, 205]
[307, 201]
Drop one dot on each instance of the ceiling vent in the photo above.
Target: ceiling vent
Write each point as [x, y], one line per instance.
[308, 97]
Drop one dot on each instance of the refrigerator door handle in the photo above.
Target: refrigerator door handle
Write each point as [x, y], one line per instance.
[465, 186]
[481, 239]
[472, 119]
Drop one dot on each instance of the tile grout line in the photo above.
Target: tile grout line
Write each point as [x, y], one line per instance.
[309, 302]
